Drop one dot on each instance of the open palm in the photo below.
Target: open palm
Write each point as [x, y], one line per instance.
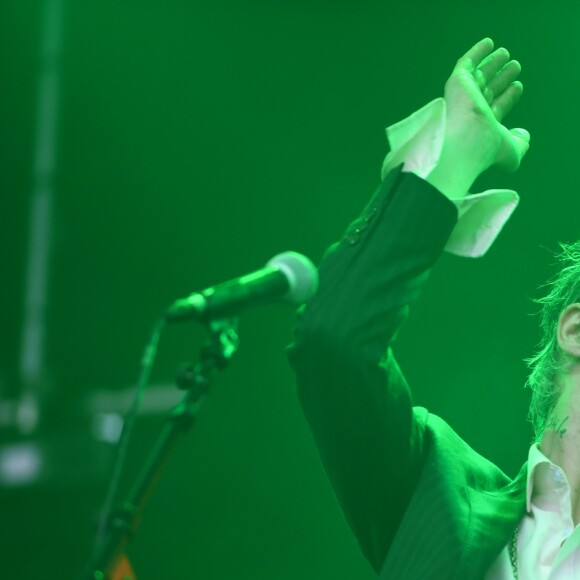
[481, 91]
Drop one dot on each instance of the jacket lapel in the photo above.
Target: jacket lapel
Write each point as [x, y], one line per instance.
[494, 516]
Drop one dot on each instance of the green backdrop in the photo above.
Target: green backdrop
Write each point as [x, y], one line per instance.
[196, 140]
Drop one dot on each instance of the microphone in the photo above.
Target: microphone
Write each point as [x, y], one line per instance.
[289, 277]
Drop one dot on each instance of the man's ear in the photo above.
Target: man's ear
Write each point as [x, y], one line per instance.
[569, 331]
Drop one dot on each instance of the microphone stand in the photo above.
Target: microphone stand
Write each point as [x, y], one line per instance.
[196, 381]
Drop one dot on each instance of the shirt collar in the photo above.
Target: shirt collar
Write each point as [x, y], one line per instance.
[544, 476]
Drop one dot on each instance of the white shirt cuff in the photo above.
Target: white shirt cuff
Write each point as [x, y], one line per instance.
[416, 142]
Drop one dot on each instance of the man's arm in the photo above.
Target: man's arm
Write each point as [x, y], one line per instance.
[360, 411]
[354, 396]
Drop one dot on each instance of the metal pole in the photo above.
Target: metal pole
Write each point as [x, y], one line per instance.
[32, 352]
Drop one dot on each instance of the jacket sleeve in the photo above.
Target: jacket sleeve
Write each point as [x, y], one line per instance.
[354, 396]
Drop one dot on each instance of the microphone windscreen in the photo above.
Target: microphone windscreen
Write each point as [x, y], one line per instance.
[301, 273]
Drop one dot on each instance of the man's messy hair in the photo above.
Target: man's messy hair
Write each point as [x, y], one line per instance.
[547, 364]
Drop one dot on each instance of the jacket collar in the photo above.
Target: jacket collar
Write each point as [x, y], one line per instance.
[493, 519]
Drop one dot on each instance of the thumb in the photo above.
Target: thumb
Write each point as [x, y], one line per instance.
[521, 138]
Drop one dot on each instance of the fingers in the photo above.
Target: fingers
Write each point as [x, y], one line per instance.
[502, 80]
[496, 77]
[490, 67]
[473, 57]
[506, 101]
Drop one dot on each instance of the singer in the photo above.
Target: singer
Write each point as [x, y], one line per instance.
[421, 502]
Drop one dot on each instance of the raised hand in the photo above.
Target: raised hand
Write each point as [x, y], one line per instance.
[482, 89]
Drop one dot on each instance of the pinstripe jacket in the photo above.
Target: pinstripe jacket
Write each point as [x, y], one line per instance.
[445, 511]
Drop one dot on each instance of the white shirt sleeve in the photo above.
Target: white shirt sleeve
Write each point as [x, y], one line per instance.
[416, 142]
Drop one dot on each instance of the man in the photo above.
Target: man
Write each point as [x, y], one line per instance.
[421, 502]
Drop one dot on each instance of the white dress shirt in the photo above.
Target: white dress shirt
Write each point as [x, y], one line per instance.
[417, 141]
[548, 544]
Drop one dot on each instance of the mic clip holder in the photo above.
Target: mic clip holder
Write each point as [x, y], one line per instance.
[215, 355]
